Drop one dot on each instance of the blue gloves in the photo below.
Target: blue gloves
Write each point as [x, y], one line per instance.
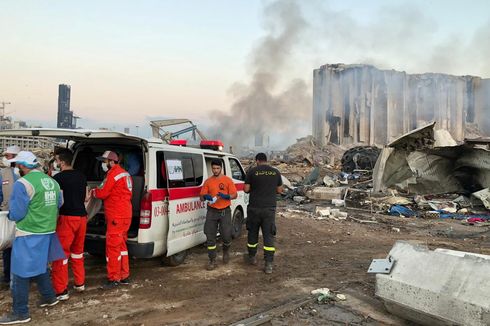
[207, 197]
[224, 196]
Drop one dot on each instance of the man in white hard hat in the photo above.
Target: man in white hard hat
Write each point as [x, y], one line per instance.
[8, 175]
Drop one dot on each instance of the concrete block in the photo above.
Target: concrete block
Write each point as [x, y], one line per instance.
[442, 287]
[325, 193]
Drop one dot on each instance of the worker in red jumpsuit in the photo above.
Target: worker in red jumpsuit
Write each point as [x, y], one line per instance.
[116, 191]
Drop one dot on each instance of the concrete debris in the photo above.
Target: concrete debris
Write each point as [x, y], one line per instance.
[324, 193]
[322, 211]
[286, 182]
[308, 151]
[300, 199]
[441, 287]
[329, 182]
[338, 202]
[331, 213]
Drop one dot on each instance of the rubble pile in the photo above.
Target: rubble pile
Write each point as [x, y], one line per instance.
[423, 174]
[307, 151]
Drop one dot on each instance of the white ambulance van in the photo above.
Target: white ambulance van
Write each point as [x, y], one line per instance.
[168, 216]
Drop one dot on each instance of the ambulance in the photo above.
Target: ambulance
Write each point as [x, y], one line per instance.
[168, 216]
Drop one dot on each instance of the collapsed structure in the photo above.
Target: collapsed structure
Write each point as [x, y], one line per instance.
[360, 104]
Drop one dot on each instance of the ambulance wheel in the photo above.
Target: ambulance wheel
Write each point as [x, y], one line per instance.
[237, 223]
[175, 260]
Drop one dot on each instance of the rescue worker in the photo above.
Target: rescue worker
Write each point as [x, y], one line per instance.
[116, 192]
[218, 190]
[8, 175]
[263, 182]
[72, 225]
[34, 207]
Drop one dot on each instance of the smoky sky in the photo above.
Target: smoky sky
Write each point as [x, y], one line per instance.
[300, 36]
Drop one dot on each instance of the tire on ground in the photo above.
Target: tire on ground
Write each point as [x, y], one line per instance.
[237, 223]
[176, 259]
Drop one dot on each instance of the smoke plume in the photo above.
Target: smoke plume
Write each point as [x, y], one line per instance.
[303, 35]
[263, 107]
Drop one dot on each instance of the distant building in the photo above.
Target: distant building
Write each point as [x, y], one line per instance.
[126, 130]
[26, 143]
[66, 118]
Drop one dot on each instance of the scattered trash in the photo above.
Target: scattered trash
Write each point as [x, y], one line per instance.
[398, 210]
[324, 295]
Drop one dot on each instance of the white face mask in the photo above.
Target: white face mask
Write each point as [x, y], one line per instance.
[53, 173]
[105, 168]
[17, 171]
[56, 166]
[5, 161]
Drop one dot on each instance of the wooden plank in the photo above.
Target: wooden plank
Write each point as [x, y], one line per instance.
[268, 315]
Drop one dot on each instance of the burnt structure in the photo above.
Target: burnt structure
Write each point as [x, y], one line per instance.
[360, 104]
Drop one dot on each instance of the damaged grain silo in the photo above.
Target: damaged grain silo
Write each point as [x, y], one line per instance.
[360, 104]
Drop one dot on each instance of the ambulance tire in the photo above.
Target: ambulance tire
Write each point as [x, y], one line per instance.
[175, 260]
[237, 223]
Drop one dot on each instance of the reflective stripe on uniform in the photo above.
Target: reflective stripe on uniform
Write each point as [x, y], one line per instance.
[121, 175]
[76, 256]
[252, 245]
[211, 247]
[269, 248]
[124, 253]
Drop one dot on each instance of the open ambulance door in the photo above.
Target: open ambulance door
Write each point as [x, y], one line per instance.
[186, 212]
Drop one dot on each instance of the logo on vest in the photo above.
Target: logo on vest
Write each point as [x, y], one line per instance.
[50, 194]
[47, 183]
[50, 198]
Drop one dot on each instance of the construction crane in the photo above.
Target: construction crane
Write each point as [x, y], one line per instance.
[158, 131]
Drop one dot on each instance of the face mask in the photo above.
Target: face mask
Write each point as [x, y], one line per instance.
[53, 173]
[5, 161]
[56, 166]
[105, 168]
[16, 171]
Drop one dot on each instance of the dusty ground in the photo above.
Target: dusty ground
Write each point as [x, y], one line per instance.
[311, 254]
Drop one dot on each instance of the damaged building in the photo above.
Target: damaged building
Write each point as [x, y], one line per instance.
[360, 104]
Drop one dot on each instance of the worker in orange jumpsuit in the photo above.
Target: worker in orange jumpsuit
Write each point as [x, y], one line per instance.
[116, 192]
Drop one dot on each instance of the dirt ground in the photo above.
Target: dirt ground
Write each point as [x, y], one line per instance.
[310, 254]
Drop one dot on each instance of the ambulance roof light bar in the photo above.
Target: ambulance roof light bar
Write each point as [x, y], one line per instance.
[178, 142]
[215, 145]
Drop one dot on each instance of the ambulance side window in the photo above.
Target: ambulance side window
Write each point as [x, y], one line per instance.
[186, 169]
[237, 172]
